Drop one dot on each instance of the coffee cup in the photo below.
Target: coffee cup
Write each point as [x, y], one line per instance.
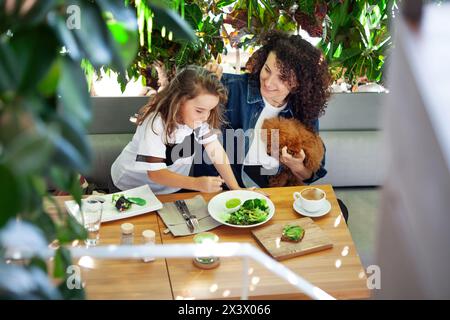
[311, 199]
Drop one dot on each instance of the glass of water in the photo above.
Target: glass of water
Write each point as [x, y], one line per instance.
[91, 210]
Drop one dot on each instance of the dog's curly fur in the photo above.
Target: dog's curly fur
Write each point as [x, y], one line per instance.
[294, 135]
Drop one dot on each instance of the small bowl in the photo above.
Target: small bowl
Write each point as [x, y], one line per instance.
[233, 209]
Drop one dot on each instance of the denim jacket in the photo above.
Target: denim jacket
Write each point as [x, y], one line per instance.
[242, 112]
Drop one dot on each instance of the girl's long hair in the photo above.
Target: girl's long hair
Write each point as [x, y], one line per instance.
[187, 84]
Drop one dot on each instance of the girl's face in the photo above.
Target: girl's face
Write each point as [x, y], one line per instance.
[196, 111]
[273, 89]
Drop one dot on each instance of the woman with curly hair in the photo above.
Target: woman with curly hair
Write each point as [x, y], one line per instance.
[287, 77]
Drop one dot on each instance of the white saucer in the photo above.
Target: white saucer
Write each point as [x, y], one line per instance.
[323, 211]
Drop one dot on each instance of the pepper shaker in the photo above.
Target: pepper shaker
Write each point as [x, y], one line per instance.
[127, 234]
[148, 237]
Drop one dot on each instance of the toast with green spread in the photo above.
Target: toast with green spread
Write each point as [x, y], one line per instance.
[292, 233]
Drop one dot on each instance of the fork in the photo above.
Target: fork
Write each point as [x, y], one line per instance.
[185, 216]
[192, 217]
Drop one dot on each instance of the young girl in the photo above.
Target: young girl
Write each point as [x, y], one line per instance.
[162, 149]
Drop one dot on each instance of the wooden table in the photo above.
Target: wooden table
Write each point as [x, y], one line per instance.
[338, 271]
[124, 279]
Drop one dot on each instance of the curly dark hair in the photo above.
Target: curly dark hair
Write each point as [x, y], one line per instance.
[305, 69]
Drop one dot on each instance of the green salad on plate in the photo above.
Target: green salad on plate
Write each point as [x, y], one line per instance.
[252, 211]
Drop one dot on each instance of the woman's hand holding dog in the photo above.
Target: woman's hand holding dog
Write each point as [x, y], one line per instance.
[295, 164]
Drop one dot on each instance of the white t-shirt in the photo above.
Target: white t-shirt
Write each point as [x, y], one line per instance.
[130, 168]
[257, 153]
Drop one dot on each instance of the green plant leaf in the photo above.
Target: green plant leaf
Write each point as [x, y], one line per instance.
[364, 33]
[66, 36]
[75, 189]
[34, 52]
[71, 230]
[92, 35]
[268, 7]
[306, 6]
[123, 36]
[338, 51]
[38, 12]
[224, 3]
[43, 221]
[10, 194]
[71, 294]
[125, 44]
[75, 101]
[193, 15]
[75, 135]
[39, 185]
[349, 53]
[66, 181]
[285, 22]
[169, 19]
[66, 153]
[38, 263]
[71, 146]
[9, 78]
[121, 12]
[49, 84]
[15, 18]
[61, 178]
[380, 45]
[62, 261]
[29, 153]
[77, 229]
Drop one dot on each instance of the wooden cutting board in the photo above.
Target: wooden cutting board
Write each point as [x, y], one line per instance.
[314, 240]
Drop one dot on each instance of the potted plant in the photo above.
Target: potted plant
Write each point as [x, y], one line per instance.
[356, 40]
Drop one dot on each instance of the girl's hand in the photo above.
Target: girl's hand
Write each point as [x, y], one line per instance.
[295, 164]
[209, 184]
[214, 68]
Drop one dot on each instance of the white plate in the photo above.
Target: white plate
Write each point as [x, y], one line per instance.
[216, 206]
[110, 212]
[325, 209]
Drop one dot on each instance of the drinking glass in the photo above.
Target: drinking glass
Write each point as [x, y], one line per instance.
[92, 217]
[206, 262]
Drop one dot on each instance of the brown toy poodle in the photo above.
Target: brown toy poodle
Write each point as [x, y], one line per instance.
[296, 137]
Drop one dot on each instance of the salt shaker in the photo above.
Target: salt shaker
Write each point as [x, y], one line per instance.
[148, 237]
[127, 234]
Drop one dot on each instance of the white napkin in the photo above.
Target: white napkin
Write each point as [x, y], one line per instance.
[177, 225]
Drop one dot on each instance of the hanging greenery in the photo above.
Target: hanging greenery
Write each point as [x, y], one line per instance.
[353, 34]
[161, 52]
[356, 39]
